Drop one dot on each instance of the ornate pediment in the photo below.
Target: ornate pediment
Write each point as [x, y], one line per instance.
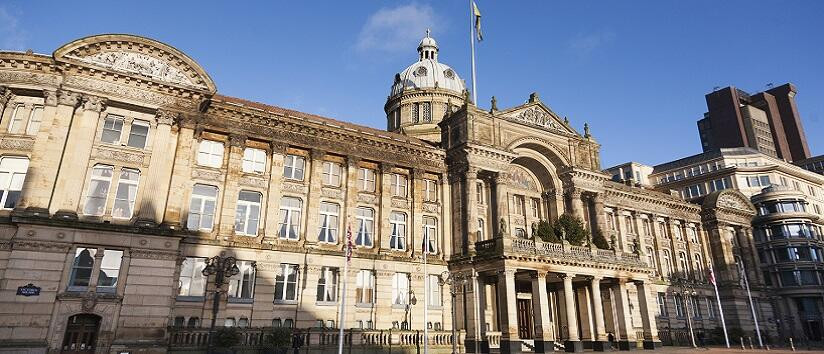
[138, 57]
[538, 115]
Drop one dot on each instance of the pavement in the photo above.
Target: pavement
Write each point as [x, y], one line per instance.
[733, 350]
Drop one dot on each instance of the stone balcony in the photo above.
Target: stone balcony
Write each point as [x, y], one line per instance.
[558, 253]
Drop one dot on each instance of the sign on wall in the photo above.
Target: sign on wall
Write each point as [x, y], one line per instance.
[28, 290]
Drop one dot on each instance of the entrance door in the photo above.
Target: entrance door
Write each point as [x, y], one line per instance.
[81, 334]
[524, 307]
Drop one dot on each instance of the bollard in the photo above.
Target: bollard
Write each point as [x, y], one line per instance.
[768, 347]
[792, 346]
[750, 339]
[741, 339]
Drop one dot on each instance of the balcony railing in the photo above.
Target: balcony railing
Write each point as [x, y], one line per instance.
[198, 338]
[498, 246]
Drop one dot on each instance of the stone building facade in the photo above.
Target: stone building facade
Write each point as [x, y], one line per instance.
[124, 170]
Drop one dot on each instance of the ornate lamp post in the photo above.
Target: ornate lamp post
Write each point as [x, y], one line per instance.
[221, 268]
[687, 287]
[453, 281]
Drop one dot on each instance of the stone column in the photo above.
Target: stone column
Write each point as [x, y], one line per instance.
[155, 189]
[5, 97]
[510, 342]
[651, 340]
[445, 198]
[271, 225]
[540, 309]
[600, 218]
[48, 149]
[74, 168]
[414, 232]
[621, 303]
[598, 309]
[314, 177]
[502, 224]
[231, 188]
[620, 239]
[351, 198]
[471, 208]
[480, 289]
[576, 203]
[573, 342]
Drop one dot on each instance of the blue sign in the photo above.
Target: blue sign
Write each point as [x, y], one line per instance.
[28, 290]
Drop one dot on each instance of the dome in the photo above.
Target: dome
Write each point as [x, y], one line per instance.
[427, 72]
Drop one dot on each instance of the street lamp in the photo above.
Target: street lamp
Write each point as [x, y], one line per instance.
[221, 268]
[688, 291]
[453, 281]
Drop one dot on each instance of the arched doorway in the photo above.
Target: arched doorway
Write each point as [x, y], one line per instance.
[81, 334]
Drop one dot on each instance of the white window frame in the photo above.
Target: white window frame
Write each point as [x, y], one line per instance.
[110, 123]
[16, 118]
[289, 226]
[365, 287]
[518, 204]
[397, 238]
[400, 289]
[399, 184]
[365, 236]
[106, 267]
[366, 179]
[481, 227]
[327, 285]
[247, 220]
[191, 281]
[430, 234]
[210, 153]
[287, 270]
[242, 284]
[133, 133]
[480, 192]
[329, 219]
[202, 200]
[35, 119]
[430, 190]
[254, 160]
[331, 174]
[294, 167]
[104, 195]
[12, 179]
[435, 291]
[130, 199]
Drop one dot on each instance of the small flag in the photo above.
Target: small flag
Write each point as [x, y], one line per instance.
[477, 13]
[349, 245]
[712, 276]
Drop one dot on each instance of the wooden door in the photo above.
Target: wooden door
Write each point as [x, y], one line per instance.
[81, 334]
[524, 307]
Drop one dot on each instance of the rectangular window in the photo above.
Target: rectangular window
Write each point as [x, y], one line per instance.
[247, 214]
[242, 284]
[331, 174]
[721, 184]
[101, 178]
[481, 230]
[286, 283]
[254, 160]
[365, 287]
[328, 285]
[398, 185]
[210, 153]
[138, 134]
[434, 291]
[535, 206]
[16, 119]
[293, 167]
[112, 127]
[329, 213]
[430, 190]
[479, 190]
[695, 306]
[109, 271]
[366, 179]
[629, 224]
[400, 289]
[192, 281]
[82, 268]
[430, 234]
[518, 204]
[647, 224]
[126, 193]
[694, 191]
[679, 306]
[397, 240]
[710, 307]
[202, 207]
[365, 219]
[35, 118]
[290, 212]
[12, 175]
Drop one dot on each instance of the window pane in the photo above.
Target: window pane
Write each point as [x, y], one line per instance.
[109, 269]
[112, 126]
[82, 267]
[138, 134]
[98, 190]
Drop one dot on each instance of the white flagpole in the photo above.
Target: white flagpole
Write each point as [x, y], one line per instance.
[426, 294]
[472, 45]
[720, 309]
[752, 306]
[342, 320]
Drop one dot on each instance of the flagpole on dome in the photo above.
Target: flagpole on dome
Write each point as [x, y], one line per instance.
[720, 309]
[348, 253]
[474, 29]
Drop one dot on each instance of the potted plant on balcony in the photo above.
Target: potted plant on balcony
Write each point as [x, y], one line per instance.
[277, 341]
[570, 229]
[544, 231]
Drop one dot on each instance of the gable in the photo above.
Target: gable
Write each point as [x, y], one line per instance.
[137, 57]
[539, 116]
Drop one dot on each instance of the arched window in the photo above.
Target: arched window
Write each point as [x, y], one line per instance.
[12, 174]
[683, 262]
[430, 234]
[290, 210]
[666, 263]
[397, 240]
[698, 267]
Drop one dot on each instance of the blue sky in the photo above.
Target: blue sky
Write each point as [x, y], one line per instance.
[636, 71]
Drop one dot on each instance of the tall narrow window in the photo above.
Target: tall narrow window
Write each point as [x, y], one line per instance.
[254, 160]
[98, 190]
[210, 153]
[109, 271]
[518, 204]
[430, 234]
[286, 283]
[400, 289]
[202, 207]
[662, 304]
[366, 179]
[16, 119]
[12, 175]
[328, 222]
[666, 263]
[35, 118]
[679, 306]
[365, 287]
[247, 214]
[331, 174]
[138, 134]
[290, 210]
[434, 291]
[398, 185]
[293, 167]
[126, 193]
[430, 190]
[112, 128]
[328, 285]
[481, 236]
[535, 206]
[365, 218]
[242, 284]
[479, 192]
[82, 268]
[192, 281]
[397, 240]
[683, 262]
[698, 267]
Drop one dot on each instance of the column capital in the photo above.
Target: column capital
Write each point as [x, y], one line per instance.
[537, 274]
[501, 178]
[49, 98]
[237, 140]
[166, 117]
[317, 154]
[277, 146]
[417, 173]
[94, 103]
[386, 167]
[68, 98]
[353, 161]
[639, 282]
[565, 275]
[472, 172]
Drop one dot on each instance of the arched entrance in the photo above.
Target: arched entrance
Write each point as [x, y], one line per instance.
[81, 334]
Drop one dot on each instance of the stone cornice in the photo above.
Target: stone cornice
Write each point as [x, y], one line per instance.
[648, 200]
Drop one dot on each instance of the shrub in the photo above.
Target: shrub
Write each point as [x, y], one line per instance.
[227, 337]
[279, 337]
[572, 229]
[544, 231]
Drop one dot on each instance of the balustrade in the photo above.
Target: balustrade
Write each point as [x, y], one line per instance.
[555, 250]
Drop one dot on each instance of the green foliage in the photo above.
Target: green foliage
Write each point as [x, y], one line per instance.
[227, 337]
[599, 240]
[545, 231]
[279, 337]
[571, 229]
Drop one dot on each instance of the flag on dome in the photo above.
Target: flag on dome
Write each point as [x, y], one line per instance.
[477, 13]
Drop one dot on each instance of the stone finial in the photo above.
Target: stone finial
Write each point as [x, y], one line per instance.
[586, 131]
[533, 97]
[566, 120]
[494, 104]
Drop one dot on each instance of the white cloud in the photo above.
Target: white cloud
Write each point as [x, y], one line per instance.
[11, 36]
[397, 29]
[584, 44]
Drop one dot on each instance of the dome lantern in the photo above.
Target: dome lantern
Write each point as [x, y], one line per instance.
[428, 48]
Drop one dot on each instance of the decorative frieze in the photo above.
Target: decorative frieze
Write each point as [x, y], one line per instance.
[153, 254]
[128, 157]
[253, 181]
[432, 208]
[331, 193]
[368, 198]
[208, 175]
[16, 143]
[294, 187]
